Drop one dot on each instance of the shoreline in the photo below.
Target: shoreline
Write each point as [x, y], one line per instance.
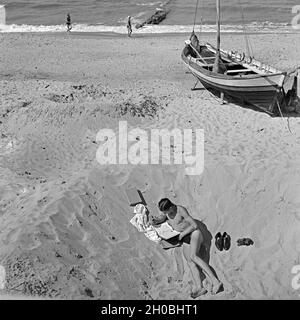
[149, 34]
[116, 35]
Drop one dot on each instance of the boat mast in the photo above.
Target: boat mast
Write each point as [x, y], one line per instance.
[217, 60]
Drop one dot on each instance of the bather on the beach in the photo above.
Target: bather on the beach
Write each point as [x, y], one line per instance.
[69, 23]
[192, 238]
[129, 26]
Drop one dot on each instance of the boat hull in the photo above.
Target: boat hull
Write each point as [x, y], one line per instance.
[263, 100]
[257, 90]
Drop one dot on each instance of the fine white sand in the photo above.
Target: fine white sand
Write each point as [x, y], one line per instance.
[64, 219]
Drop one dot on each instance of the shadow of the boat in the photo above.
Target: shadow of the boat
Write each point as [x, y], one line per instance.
[244, 104]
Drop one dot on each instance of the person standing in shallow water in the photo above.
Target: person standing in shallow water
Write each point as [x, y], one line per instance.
[129, 26]
[69, 23]
[192, 239]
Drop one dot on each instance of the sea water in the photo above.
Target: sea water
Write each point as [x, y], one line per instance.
[111, 15]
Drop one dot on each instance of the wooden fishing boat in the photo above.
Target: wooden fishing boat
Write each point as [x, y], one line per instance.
[234, 76]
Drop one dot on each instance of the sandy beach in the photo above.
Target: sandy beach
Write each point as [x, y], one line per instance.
[64, 218]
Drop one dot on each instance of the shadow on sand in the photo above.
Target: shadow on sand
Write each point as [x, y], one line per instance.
[290, 107]
[204, 252]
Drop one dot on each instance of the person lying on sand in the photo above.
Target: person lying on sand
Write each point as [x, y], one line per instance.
[192, 238]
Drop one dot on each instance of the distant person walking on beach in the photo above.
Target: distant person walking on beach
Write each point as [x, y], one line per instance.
[129, 26]
[69, 23]
[192, 239]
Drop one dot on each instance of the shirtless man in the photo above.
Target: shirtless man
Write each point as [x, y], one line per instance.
[192, 238]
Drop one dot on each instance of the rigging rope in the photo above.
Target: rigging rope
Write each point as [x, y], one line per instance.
[248, 44]
[195, 15]
[249, 51]
[218, 100]
[288, 120]
[291, 72]
[201, 17]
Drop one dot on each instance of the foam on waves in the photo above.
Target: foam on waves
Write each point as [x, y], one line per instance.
[255, 27]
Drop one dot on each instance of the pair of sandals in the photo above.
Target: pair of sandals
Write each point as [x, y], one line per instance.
[222, 241]
[245, 242]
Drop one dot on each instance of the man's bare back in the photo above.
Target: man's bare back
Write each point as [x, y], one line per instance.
[178, 220]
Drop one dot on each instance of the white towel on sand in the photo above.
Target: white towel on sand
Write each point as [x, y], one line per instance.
[141, 222]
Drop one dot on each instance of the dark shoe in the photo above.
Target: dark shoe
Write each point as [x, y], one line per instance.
[245, 242]
[240, 242]
[226, 241]
[249, 242]
[219, 241]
